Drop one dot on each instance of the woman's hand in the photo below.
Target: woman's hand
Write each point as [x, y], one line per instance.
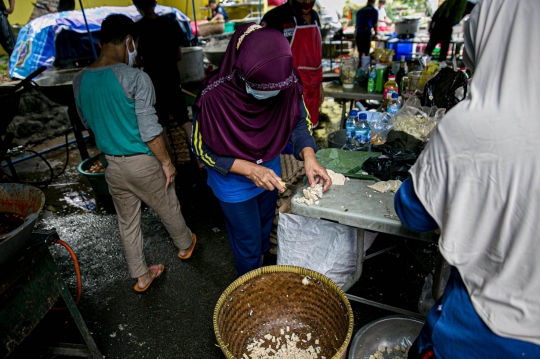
[314, 171]
[265, 178]
[262, 177]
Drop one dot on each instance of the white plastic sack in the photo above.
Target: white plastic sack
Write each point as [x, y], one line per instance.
[326, 247]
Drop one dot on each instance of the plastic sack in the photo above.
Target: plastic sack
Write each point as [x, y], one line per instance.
[326, 247]
[426, 300]
[393, 164]
[442, 90]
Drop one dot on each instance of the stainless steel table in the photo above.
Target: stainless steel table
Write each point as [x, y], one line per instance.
[356, 93]
[357, 206]
[337, 92]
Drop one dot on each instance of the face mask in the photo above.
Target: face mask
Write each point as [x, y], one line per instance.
[261, 95]
[302, 8]
[131, 55]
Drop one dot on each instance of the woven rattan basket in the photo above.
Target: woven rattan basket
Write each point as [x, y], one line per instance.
[215, 27]
[269, 299]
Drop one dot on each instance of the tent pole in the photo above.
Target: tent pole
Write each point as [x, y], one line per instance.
[195, 21]
[88, 30]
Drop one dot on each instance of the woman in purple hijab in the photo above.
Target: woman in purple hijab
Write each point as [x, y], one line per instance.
[249, 110]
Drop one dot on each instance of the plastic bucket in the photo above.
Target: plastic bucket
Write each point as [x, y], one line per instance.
[337, 139]
[229, 26]
[97, 180]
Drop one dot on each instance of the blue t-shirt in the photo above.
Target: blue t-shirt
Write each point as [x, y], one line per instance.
[366, 19]
[234, 188]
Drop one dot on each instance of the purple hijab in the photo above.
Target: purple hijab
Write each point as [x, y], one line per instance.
[232, 122]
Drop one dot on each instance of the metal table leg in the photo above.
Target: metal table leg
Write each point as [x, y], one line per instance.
[359, 261]
[436, 290]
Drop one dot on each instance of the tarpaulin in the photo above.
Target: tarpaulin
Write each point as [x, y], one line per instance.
[37, 46]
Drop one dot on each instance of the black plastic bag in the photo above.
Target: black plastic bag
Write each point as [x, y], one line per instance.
[394, 164]
[404, 141]
[440, 91]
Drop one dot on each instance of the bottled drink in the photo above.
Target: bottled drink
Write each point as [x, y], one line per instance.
[394, 105]
[381, 71]
[464, 70]
[350, 129]
[372, 79]
[401, 73]
[390, 87]
[404, 85]
[389, 70]
[362, 132]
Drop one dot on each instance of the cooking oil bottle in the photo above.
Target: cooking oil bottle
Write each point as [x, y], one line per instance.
[390, 87]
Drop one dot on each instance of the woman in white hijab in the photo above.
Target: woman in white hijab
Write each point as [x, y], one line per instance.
[478, 180]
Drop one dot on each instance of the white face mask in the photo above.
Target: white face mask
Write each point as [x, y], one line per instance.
[261, 95]
[131, 55]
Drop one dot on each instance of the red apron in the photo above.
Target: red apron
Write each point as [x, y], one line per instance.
[306, 47]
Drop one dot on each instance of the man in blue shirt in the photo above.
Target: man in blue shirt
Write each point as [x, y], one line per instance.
[366, 20]
[218, 12]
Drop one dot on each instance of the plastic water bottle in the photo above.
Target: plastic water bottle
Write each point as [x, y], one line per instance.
[362, 132]
[350, 129]
[372, 78]
[394, 105]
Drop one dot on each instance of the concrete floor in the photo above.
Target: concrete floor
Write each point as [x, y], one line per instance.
[173, 319]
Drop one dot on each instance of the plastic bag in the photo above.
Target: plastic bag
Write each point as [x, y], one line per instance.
[416, 120]
[426, 300]
[394, 164]
[326, 247]
[442, 90]
[381, 128]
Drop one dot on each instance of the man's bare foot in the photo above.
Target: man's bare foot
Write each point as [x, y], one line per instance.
[153, 272]
[182, 252]
[186, 253]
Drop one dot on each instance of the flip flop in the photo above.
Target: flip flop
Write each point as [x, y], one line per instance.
[190, 249]
[156, 274]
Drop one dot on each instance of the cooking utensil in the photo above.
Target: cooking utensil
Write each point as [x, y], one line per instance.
[295, 189]
[386, 332]
[24, 200]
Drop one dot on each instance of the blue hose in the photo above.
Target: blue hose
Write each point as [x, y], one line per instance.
[47, 150]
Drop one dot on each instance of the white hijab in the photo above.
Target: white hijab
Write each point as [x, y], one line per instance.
[479, 176]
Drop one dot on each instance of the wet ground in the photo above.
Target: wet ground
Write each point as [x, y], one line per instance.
[173, 319]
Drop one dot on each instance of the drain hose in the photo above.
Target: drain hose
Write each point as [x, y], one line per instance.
[77, 271]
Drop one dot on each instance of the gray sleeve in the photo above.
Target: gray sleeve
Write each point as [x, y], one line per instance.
[76, 86]
[138, 86]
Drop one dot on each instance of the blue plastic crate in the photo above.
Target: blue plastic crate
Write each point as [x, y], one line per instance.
[404, 49]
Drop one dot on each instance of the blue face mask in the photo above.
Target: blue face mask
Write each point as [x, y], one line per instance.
[261, 95]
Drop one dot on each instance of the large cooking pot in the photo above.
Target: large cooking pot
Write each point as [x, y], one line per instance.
[407, 26]
[24, 200]
[215, 51]
[58, 86]
[191, 68]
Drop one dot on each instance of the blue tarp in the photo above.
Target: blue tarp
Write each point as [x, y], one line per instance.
[37, 46]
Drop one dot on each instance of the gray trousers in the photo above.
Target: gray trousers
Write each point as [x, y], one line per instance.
[135, 178]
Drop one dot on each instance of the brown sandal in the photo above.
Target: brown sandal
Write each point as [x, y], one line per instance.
[157, 273]
[190, 249]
